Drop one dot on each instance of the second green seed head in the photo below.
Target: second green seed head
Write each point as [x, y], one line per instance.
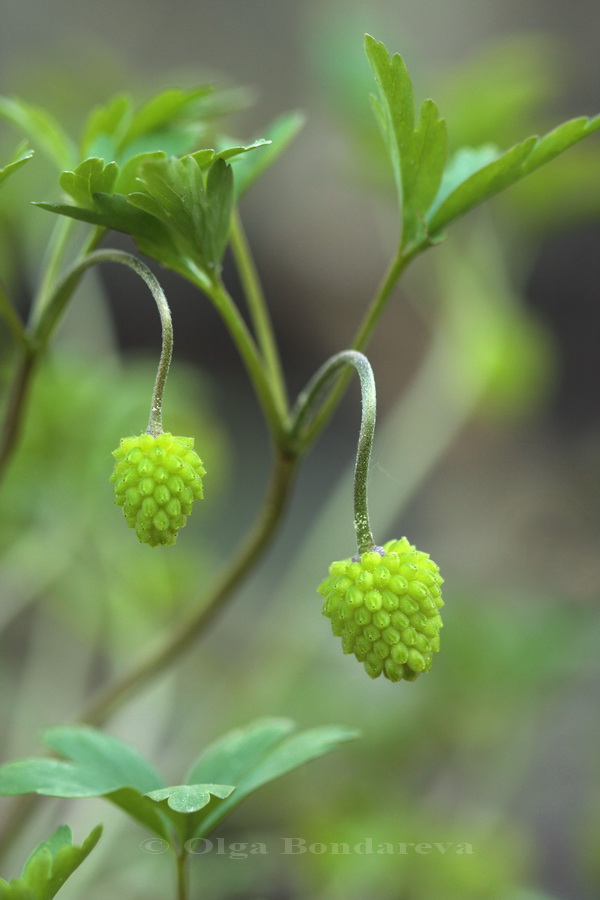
[385, 607]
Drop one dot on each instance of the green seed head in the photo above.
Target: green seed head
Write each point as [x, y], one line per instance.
[156, 481]
[385, 607]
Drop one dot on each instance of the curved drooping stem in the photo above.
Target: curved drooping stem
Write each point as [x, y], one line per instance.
[306, 401]
[55, 308]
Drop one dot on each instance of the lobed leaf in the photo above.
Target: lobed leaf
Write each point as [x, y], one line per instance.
[253, 756]
[418, 154]
[106, 754]
[507, 169]
[189, 798]
[90, 177]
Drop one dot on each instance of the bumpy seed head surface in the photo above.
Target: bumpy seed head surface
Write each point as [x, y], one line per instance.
[385, 607]
[156, 481]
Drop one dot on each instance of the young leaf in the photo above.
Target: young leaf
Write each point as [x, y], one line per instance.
[104, 753]
[257, 755]
[90, 177]
[54, 861]
[189, 798]
[417, 155]
[42, 129]
[54, 778]
[229, 758]
[106, 124]
[164, 109]
[507, 169]
[20, 157]
[219, 206]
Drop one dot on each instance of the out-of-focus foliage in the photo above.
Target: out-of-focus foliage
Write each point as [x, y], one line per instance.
[62, 505]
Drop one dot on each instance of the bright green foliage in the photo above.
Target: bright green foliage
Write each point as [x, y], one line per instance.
[99, 765]
[41, 128]
[20, 157]
[156, 482]
[49, 866]
[432, 192]
[385, 607]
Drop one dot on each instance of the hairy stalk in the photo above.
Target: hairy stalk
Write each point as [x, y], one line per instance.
[259, 313]
[310, 396]
[190, 628]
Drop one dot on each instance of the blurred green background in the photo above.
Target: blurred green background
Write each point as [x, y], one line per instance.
[487, 456]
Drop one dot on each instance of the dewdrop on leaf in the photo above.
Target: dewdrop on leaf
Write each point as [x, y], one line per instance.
[384, 604]
[157, 478]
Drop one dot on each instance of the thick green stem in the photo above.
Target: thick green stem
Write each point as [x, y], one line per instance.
[307, 399]
[186, 633]
[259, 313]
[182, 875]
[255, 365]
[13, 321]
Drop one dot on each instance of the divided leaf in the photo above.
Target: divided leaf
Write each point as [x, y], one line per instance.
[417, 155]
[49, 866]
[104, 753]
[433, 194]
[256, 755]
[90, 177]
[507, 169]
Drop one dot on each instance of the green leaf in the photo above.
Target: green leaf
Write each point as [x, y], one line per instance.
[142, 809]
[127, 179]
[258, 754]
[108, 755]
[189, 798]
[90, 177]
[205, 158]
[105, 126]
[219, 207]
[509, 168]
[20, 157]
[166, 108]
[418, 155]
[62, 858]
[99, 766]
[229, 758]
[41, 128]
[53, 778]
[278, 135]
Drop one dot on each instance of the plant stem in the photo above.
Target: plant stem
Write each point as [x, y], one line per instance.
[361, 339]
[188, 630]
[261, 378]
[311, 394]
[13, 321]
[15, 406]
[259, 313]
[182, 875]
